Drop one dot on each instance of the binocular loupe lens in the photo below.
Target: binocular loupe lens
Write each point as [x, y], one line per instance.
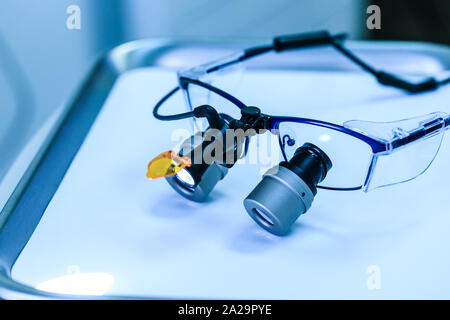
[198, 180]
[287, 190]
[195, 184]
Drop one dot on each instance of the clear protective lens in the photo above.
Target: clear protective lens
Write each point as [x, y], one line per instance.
[350, 156]
[404, 164]
[197, 95]
[412, 145]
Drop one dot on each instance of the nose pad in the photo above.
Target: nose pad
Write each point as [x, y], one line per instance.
[289, 141]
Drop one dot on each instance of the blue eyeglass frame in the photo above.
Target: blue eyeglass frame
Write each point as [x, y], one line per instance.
[275, 121]
[375, 145]
[299, 41]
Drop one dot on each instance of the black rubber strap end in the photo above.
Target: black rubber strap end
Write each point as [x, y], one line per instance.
[427, 85]
[447, 122]
[393, 81]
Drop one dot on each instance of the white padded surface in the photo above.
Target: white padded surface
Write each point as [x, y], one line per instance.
[107, 218]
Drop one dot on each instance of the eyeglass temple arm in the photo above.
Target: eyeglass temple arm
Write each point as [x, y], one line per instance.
[313, 39]
[428, 128]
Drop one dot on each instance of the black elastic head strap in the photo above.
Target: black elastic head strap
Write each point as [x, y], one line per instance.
[322, 38]
[306, 40]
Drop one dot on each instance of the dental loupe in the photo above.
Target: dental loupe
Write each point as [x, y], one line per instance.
[364, 155]
[286, 190]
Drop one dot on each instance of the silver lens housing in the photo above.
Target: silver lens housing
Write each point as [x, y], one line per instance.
[278, 200]
[201, 189]
[184, 182]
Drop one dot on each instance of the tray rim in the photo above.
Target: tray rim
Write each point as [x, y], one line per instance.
[106, 70]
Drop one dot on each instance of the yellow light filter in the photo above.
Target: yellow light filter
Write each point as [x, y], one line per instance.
[167, 164]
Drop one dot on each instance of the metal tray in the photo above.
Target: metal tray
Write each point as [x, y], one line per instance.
[30, 198]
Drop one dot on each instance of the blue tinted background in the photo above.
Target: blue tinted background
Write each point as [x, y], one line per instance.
[42, 62]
